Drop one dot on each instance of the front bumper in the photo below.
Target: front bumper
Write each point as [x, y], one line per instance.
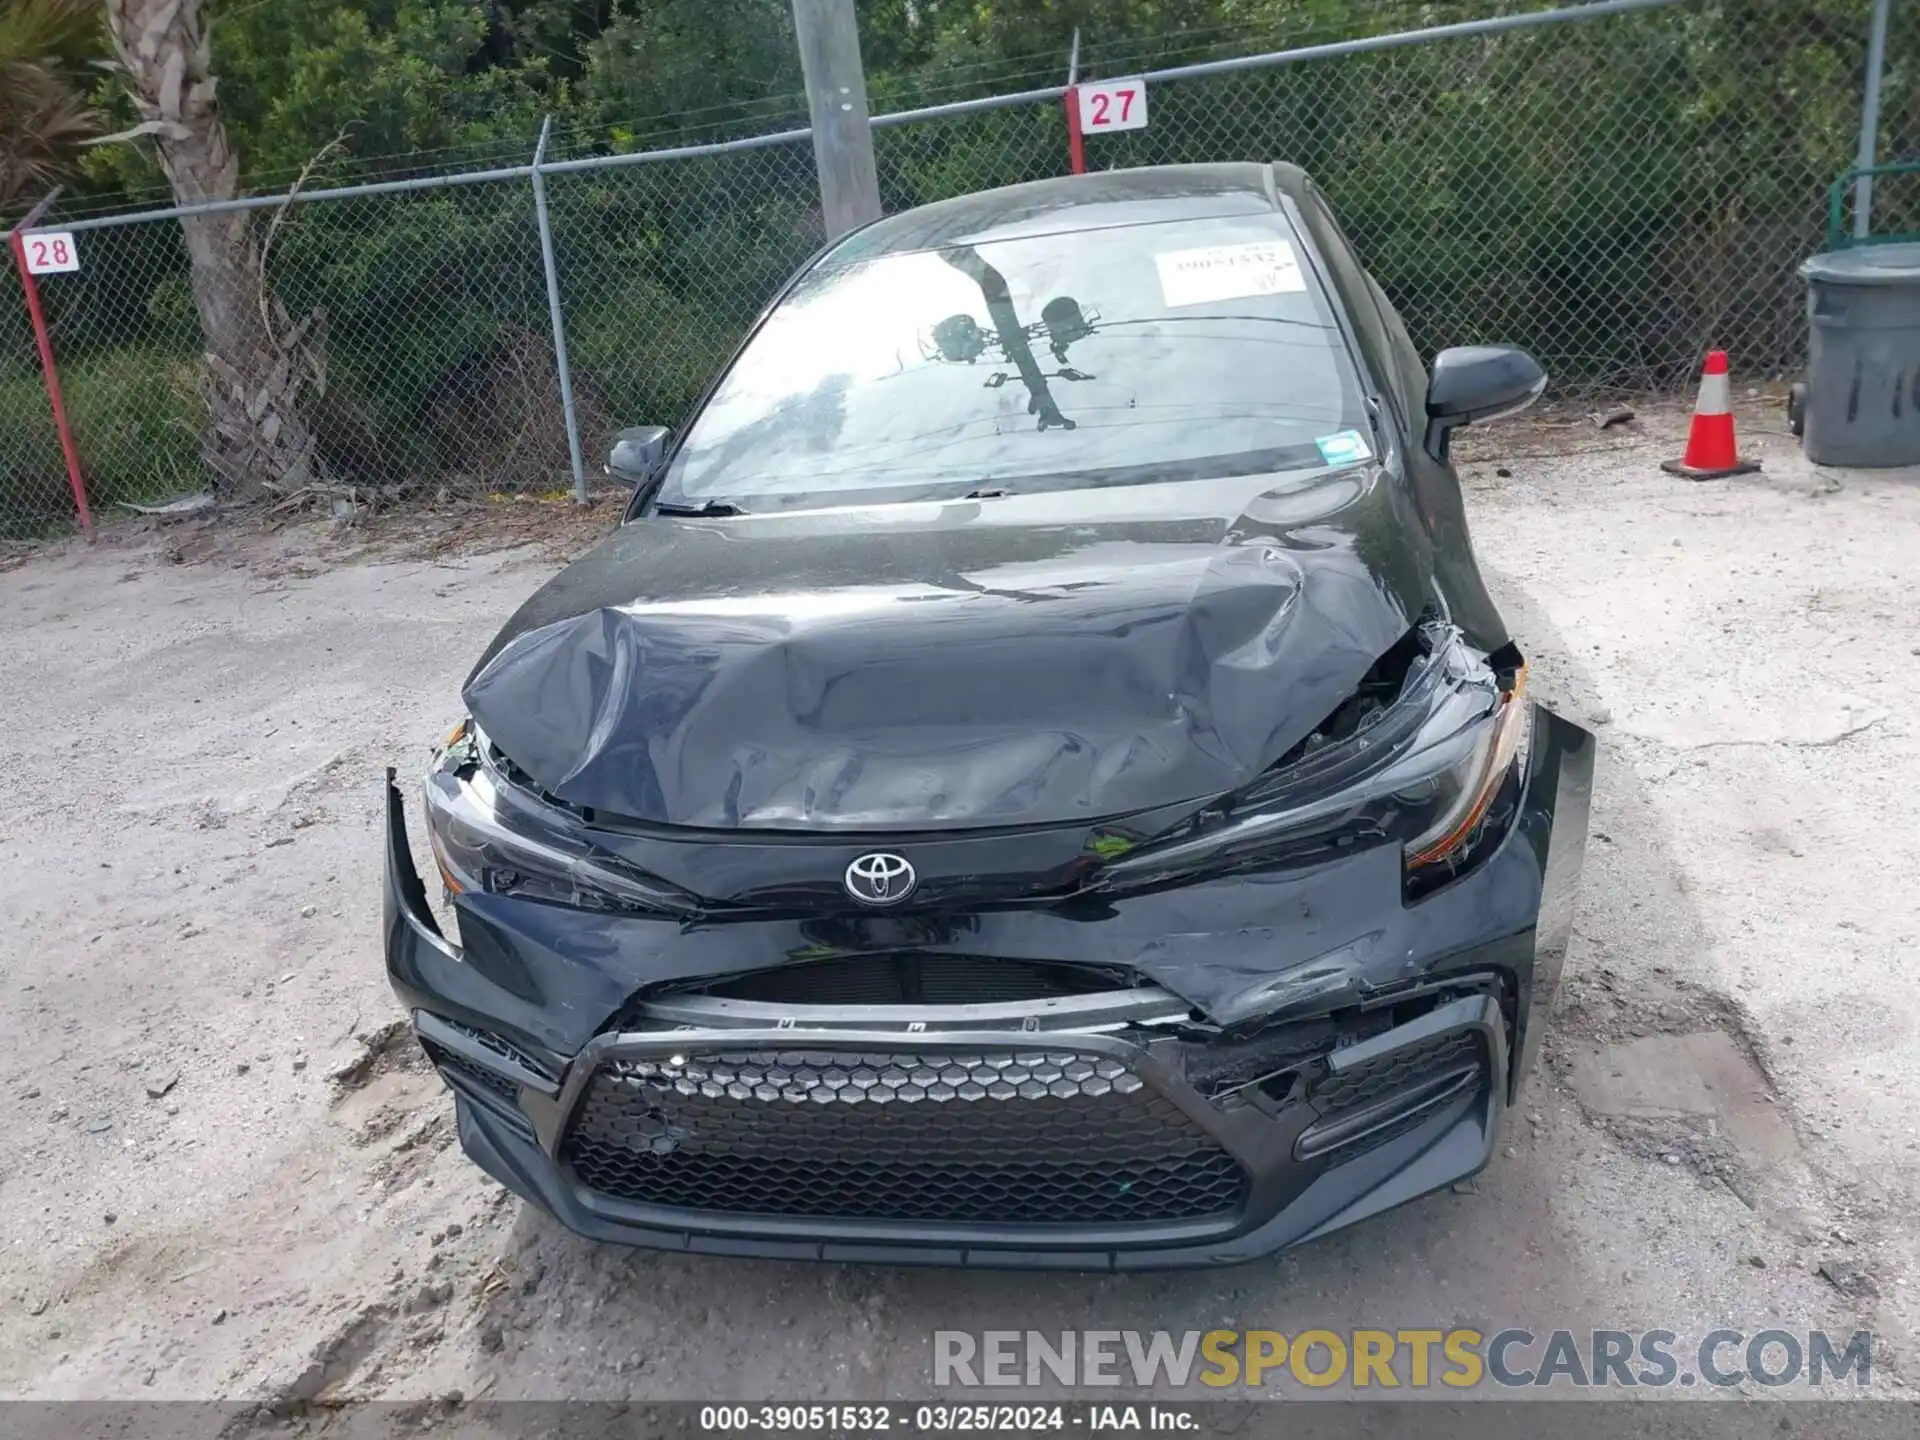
[577, 1098]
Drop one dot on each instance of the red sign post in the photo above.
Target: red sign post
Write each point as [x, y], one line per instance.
[1099, 106]
[52, 376]
[1076, 152]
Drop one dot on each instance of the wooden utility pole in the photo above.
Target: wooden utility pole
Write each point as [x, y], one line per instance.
[837, 102]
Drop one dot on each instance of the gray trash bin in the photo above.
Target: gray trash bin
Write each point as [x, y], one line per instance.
[1862, 402]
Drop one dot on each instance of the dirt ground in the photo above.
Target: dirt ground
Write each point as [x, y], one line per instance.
[221, 1177]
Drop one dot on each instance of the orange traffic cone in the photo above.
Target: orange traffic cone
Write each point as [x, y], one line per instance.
[1711, 451]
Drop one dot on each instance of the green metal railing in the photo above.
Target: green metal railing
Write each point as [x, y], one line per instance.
[1837, 236]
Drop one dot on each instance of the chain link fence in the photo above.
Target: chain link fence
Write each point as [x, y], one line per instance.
[1616, 194]
[33, 480]
[662, 269]
[427, 324]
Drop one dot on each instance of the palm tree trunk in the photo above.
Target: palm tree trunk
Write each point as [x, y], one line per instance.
[257, 363]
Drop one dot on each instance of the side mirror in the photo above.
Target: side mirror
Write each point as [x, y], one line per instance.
[637, 451]
[1472, 383]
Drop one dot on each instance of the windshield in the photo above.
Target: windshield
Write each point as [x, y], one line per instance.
[1097, 356]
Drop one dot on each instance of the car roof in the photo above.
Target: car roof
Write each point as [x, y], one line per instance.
[1150, 194]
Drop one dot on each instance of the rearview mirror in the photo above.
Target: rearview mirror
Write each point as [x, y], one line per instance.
[1472, 383]
[637, 451]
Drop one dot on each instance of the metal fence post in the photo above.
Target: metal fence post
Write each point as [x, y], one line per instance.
[1870, 118]
[828, 32]
[553, 310]
[1076, 147]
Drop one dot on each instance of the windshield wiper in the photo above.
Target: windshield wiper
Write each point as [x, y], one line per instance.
[706, 508]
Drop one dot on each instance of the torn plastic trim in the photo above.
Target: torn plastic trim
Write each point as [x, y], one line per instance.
[1331, 987]
[1352, 792]
[406, 902]
[1317, 986]
[490, 1052]
[1481, 1015]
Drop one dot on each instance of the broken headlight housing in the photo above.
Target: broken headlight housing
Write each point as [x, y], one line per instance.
[489, 840]
[1425, 769]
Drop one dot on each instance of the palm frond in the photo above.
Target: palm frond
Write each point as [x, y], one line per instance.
[44, 123]
[59, 34]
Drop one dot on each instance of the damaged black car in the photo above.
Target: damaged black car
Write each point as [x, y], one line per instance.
[1035, 778]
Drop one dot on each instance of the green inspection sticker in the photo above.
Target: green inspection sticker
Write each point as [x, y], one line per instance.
[1343, 447]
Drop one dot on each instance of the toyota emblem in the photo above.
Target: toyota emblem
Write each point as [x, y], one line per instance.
[880, 878]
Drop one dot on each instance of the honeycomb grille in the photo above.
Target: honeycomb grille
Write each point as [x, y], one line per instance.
[1020, 1138]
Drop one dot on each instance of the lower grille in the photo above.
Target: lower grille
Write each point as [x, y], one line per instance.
[480, 1075]
[494, 1045]
[1377, 1079]
[1382, 1099]
[1008, 1138]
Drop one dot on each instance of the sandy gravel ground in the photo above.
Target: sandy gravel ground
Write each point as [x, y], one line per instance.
[219, 1177]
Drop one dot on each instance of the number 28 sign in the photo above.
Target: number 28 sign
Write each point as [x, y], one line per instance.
[50, 251]
[1113, 105]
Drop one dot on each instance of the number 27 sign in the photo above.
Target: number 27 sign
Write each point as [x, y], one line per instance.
[1113, 105]
[50, 251]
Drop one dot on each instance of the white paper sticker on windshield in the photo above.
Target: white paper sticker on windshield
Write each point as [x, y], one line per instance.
[1229, 272]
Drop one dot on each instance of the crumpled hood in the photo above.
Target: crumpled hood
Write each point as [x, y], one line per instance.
[954, 664]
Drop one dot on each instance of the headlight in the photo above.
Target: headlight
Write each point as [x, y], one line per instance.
[1457, 797]
[484, 844]
[1424, 774]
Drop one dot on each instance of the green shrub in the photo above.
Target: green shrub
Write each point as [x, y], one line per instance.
[136, 418]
